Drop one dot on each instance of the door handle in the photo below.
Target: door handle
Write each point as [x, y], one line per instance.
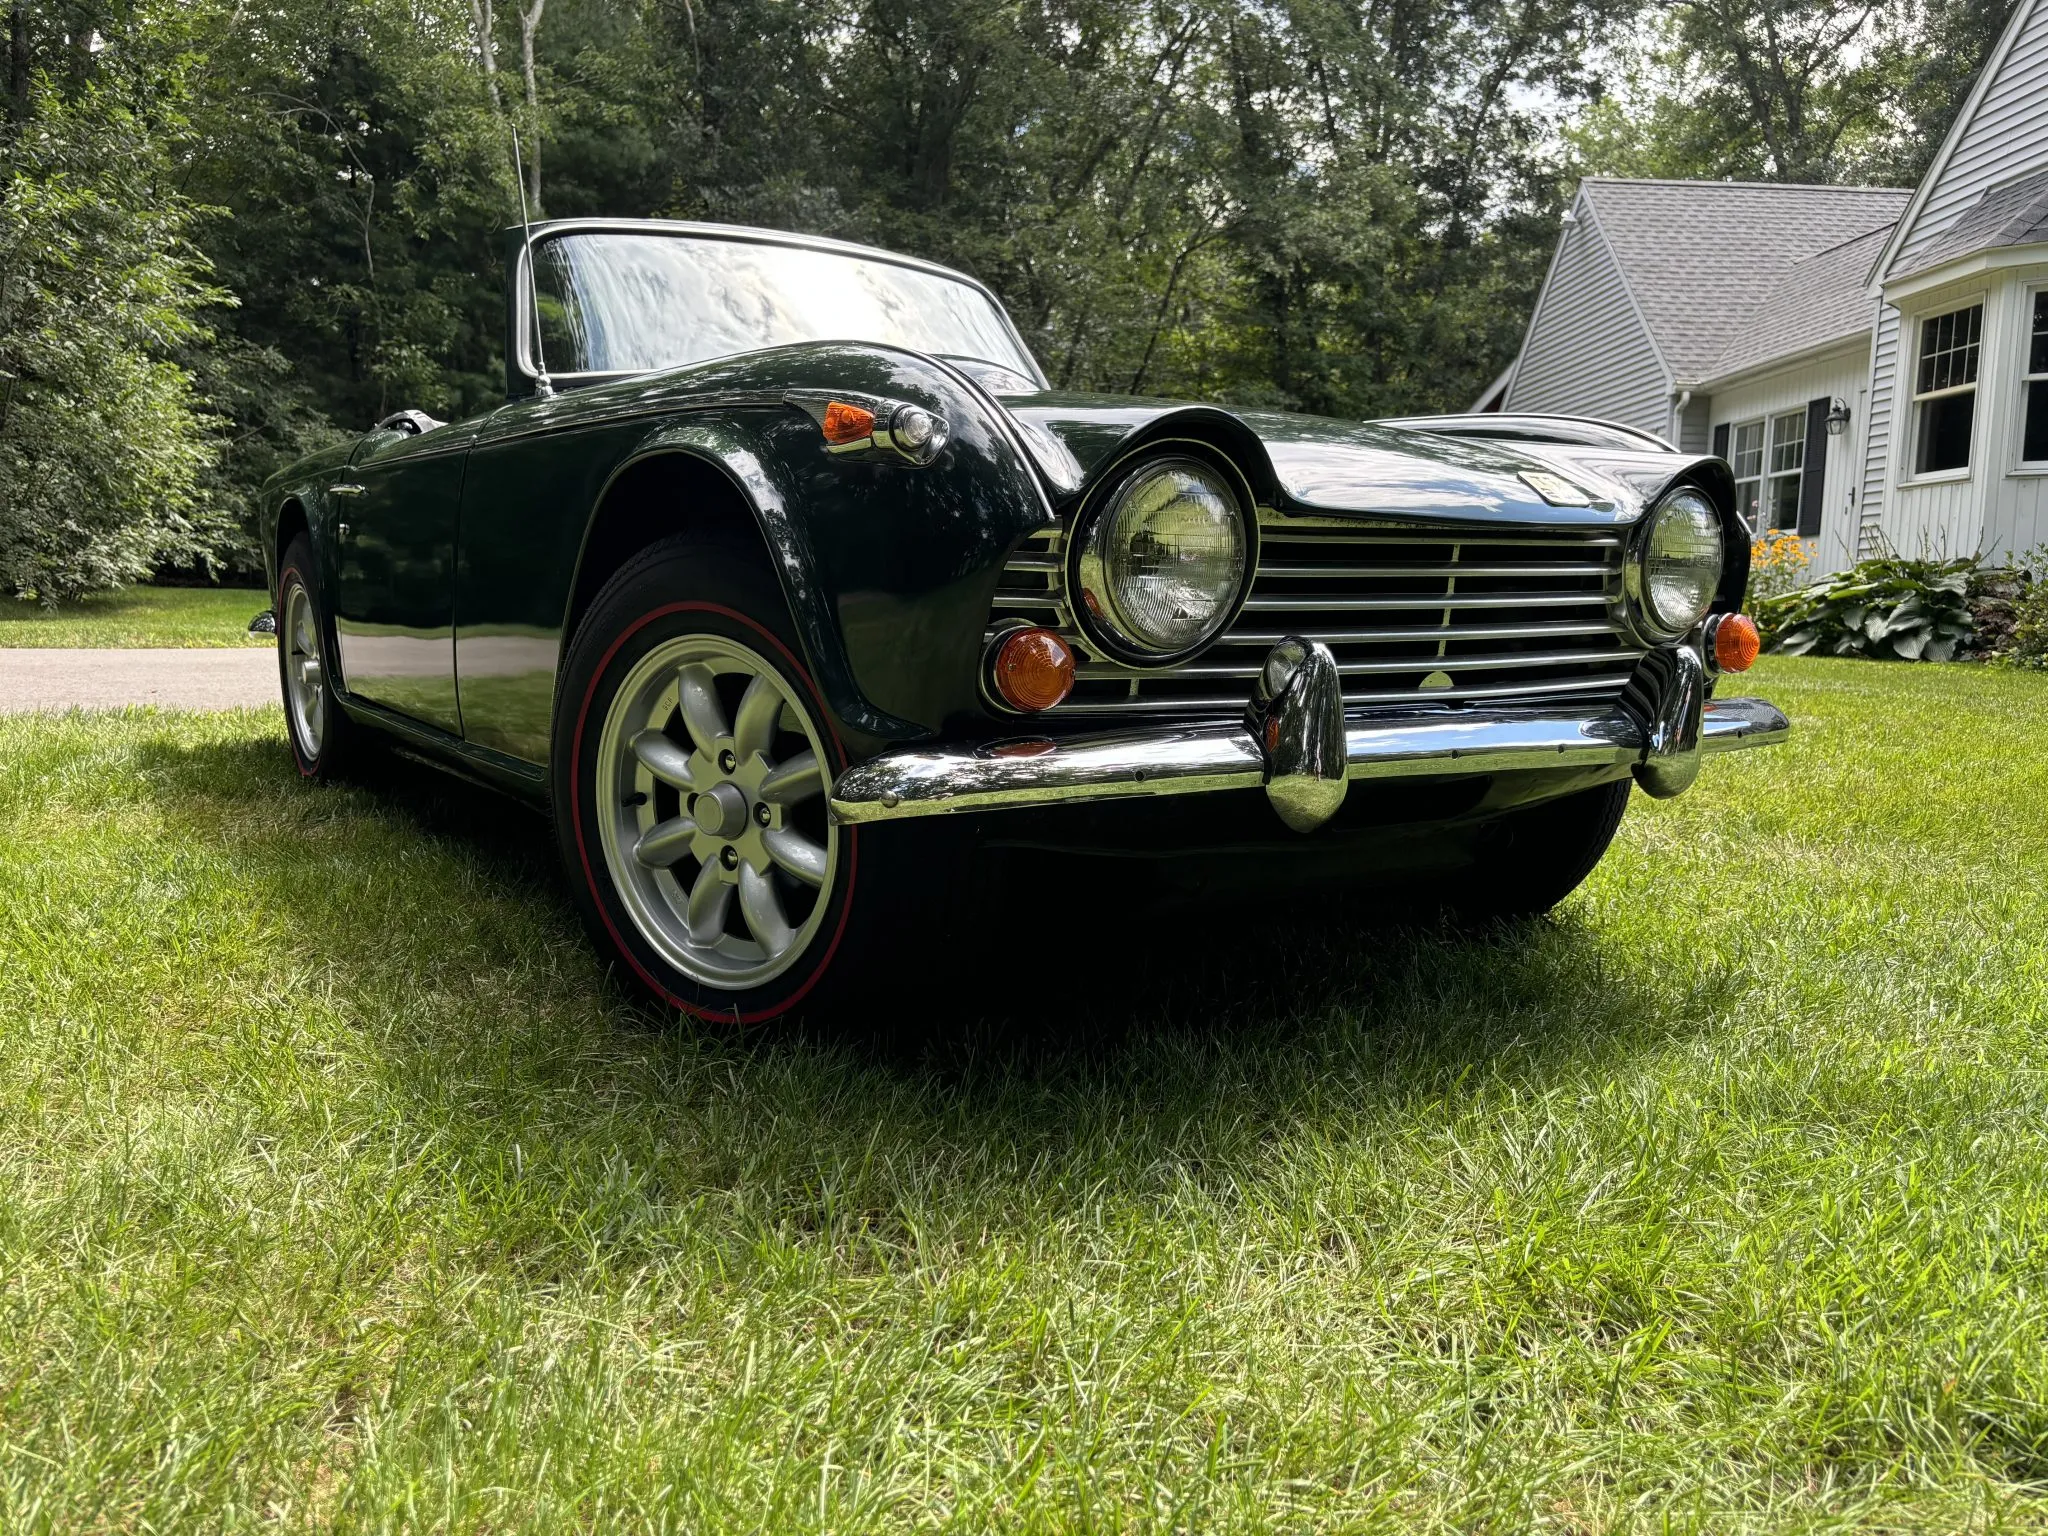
[345, 490]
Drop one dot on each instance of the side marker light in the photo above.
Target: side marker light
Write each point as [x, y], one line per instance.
[1033, 669]
[847, 423]
[1736, 643]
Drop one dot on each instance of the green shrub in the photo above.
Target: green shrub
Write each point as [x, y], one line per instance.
[1888, 609]
[2028, 646]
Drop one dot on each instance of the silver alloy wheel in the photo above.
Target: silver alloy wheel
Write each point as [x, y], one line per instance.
[304, 695]
[711, 787]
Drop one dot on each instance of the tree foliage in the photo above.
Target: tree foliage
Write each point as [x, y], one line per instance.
[1789, 90]
[103, 441]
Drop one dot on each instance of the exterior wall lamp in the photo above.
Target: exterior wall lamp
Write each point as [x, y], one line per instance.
[1838, 416]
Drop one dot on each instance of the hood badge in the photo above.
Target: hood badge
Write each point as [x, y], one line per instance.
[1555, 489]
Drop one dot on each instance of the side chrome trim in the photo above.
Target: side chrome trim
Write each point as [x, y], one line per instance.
[1198, 759]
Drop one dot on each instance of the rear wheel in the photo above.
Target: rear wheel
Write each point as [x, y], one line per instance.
[692, 766]
[1532, 859]
[325, 741]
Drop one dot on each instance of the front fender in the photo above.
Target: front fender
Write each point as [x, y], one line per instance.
[730, 449]
[890, 568]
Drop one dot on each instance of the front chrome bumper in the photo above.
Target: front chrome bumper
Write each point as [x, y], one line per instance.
[1297, 743]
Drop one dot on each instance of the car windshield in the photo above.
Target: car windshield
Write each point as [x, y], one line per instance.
[614, 302]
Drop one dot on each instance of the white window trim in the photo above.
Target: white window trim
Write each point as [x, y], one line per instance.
[1765, 474]
[1910, 363]
[2019, 467]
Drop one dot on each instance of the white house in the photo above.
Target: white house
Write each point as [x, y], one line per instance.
[1873, 362]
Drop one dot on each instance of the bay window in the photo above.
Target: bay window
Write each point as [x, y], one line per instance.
[1945, 390]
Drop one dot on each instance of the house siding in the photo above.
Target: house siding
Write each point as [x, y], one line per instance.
[1695, 426]
[1877, 430]
[1838, 375]
[1587, 353]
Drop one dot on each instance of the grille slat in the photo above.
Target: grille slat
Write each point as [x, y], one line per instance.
[1199, 669]
[1258, 604]
[1230, 703]
[1427, 632]
[1423, 615]
[1269, 571]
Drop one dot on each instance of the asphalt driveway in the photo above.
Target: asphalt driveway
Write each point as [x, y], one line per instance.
[109, 679]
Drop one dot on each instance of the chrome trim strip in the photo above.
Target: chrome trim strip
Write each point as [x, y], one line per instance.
[1198, 759]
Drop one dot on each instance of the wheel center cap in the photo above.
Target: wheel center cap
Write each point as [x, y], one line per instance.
[720, 811]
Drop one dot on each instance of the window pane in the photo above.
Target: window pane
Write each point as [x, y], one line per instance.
[2037, 354]
[2034, 448]
[1948, 349]
[1784, 505]
[1749, 450]
[1945, 433]
[1748, 496]
[1788, 441]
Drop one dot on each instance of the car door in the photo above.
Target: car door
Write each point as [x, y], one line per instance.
[396, 509]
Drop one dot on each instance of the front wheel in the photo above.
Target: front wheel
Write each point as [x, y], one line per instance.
[1531, 859]
[692, 766]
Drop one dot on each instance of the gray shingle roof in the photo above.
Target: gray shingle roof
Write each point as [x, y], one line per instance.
[2013, 214]
[1818, 300]
[1698, 254]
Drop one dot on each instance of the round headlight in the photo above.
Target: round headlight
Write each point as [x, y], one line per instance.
[1681, 561]
[1163, 563]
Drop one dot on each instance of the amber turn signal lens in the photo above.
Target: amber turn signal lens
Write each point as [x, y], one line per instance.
[1736, 643]
[847, 423]
[1034, 669]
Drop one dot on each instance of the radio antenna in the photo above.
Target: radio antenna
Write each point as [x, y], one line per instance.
[543, 386]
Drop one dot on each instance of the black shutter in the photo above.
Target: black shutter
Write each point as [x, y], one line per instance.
[1813, 477]
[1721, 441]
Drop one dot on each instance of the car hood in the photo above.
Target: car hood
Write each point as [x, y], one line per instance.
[1312, 464]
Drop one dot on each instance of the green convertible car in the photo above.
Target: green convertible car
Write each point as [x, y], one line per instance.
[788, 585]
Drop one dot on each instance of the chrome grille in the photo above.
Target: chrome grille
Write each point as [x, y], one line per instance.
[1411, 615]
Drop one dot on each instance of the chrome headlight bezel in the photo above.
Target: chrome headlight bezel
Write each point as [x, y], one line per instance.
[1103, 624]
[1681, 501]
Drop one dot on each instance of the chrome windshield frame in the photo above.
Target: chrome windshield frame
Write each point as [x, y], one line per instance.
[523, 296]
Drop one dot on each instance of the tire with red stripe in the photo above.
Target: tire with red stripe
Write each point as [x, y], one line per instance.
[691, 765]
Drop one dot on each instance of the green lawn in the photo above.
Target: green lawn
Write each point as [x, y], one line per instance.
[338, 1190]
[169, 616]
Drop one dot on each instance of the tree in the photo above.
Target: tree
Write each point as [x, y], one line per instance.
[1789, 90]
[103, 441]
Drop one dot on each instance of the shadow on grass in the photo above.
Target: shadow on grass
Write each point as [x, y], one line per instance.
[1221, 1025]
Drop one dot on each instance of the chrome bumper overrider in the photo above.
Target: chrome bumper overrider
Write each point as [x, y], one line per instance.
[1298, 744]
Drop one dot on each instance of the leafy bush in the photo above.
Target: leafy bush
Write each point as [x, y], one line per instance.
[2022, 640]
[1998, 598]
[1778, 564]
[1888, 609]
